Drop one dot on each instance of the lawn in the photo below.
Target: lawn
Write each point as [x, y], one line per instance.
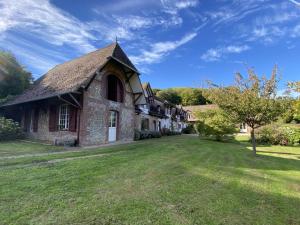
[172, 180]
[15, 148]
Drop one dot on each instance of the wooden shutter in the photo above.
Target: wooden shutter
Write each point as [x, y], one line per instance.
[53, 118]
[27, 116]
[73, 119]
[35, 119]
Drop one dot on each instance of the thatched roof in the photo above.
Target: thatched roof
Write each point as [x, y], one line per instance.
[72, 75]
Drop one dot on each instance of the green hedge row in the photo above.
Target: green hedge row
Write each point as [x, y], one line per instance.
[145, 134]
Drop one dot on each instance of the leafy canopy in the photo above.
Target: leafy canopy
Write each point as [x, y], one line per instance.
[14, 79]
[215, 122]
[251, 100]
[183, 96]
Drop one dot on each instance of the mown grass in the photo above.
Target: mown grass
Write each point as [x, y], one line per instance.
[172, 180]
[14, 148]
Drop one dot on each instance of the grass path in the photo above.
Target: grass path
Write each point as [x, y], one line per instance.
[172, 180]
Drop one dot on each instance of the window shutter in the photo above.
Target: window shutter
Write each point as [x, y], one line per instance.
[73, 119]
[26, 121]
[53, 118]
[35, 119]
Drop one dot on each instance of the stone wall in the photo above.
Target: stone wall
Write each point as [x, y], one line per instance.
[96, 108]
[43, 132]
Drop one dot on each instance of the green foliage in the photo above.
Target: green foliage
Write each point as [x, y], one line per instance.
[251, 100]
[278, 135]
[296, 107]
[215, 122]
[169, 95]
[183, 96]
[191, 96]
[189, 130]
[9, 130]
[14, 79]
[146, 134]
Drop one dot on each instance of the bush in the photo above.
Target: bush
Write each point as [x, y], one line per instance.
[278, 135]
[144, 134]
[188, 130]
[9, 130]
[168, 132]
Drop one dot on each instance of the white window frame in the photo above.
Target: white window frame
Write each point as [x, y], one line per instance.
[64, 117]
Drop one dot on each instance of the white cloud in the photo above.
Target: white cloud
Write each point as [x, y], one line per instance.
[173, 6]
[161, 49]
[46, 21]
[217, 53]
[295, 2]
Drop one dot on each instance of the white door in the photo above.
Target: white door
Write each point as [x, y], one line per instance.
[112, 130]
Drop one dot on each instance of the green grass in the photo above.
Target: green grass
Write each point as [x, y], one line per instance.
[14, 148]
[172, 180]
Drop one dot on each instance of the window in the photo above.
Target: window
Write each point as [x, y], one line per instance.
[113, 119]
[145, 124]
[64, 117]
[115, 90]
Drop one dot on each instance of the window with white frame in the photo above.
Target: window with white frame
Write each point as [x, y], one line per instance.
[64, 116]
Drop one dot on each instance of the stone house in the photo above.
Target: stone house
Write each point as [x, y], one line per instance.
[89, 100]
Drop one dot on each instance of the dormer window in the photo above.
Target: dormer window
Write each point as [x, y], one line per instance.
[115, 89]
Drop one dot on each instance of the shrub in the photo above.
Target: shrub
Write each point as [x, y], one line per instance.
[168, 132]
[9, 129]
[144, 134]
[278, 135]
[189, 129]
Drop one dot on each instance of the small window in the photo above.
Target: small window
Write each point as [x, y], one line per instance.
[115, 90]
[64, 117]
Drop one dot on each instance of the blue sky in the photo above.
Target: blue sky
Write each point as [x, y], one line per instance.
[173, 43]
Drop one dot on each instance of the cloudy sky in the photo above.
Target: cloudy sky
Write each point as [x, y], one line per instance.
[172, 42]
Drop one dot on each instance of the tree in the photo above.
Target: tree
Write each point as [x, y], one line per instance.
[294, 86]
[251, 100]
[169, 95]
[215, 122]
[14, 79]
[184, 96]
[192, 96]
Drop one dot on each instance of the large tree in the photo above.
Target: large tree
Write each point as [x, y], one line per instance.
[14, 79]
[251, 100]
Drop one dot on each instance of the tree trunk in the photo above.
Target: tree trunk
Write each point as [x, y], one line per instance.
[253, 141]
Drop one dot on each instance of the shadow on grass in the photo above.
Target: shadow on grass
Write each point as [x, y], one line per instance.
[283, 153]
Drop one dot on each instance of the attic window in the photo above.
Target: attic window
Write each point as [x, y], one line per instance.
[115, 89]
